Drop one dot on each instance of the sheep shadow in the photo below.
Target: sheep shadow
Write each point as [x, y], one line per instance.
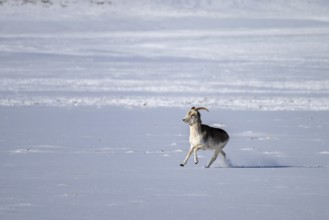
[262, 166]
[272, 166]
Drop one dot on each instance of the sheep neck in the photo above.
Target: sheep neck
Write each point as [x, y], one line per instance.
[195, 129]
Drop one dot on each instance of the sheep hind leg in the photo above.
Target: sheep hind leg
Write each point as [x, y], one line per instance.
[214, 157]
[227, 162]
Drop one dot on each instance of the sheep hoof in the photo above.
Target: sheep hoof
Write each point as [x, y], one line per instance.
[181, 165]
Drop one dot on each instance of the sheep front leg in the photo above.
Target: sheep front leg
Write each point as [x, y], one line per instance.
[187, 156]
[196, 160]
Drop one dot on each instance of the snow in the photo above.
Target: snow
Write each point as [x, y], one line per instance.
[92, 97]
[109, 59]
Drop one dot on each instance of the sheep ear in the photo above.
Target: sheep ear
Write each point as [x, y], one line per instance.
[193, 108]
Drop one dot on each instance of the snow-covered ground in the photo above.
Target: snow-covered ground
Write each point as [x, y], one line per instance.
[58, 57]
[92, 97]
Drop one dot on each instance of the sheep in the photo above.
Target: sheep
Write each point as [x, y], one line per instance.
[204, 137]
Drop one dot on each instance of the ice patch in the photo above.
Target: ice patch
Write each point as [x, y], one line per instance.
[37, 149]
[130, 152]
[251, 135]
[274, 153]
[247, 149]
[324, 152]
[12, 208]
[68, 195]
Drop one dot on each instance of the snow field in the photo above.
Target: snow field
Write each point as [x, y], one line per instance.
[92, 99]
[117, 163]
[237, 63]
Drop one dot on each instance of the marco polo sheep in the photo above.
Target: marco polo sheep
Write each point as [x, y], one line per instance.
[204, 137]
